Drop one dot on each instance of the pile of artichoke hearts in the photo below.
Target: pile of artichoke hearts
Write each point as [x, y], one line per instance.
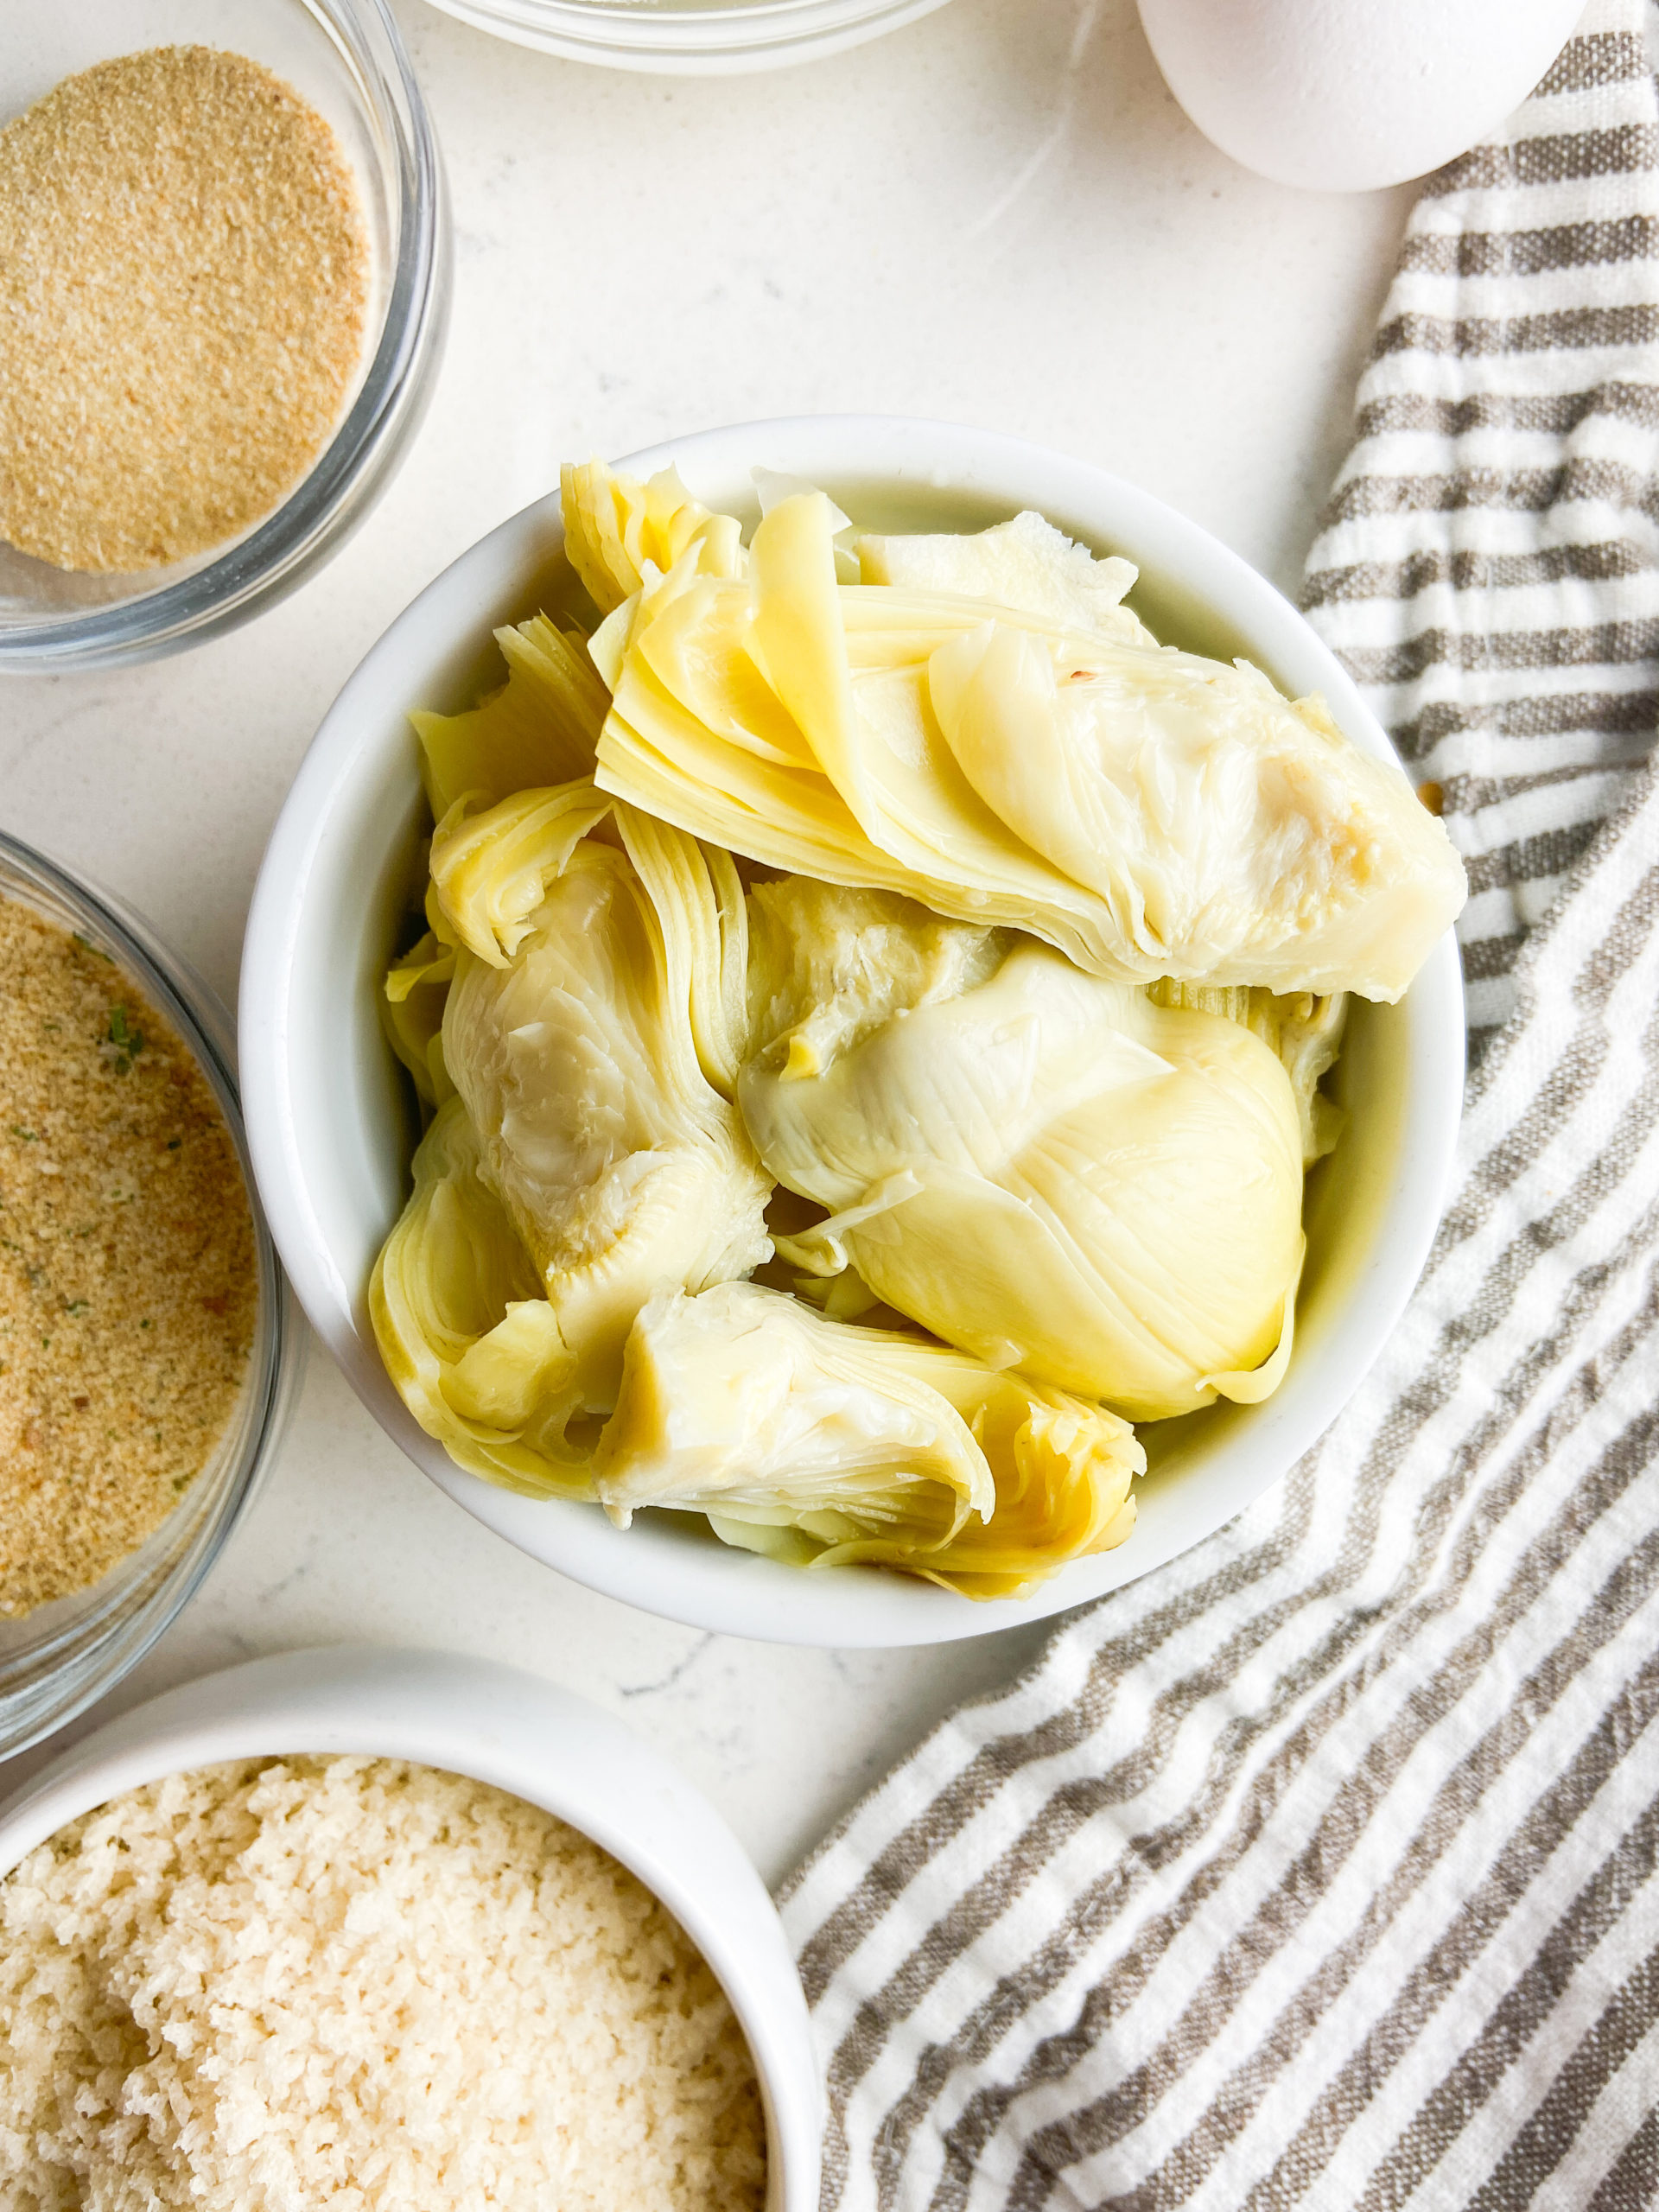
[869, 1023]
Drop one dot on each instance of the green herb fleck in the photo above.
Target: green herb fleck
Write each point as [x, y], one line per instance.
[25, 1136]
[86, 945]
[76, 1305]
[144, 1325]
[173, 1143]
[128, 1041]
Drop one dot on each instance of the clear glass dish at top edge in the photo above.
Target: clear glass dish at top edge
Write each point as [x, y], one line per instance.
[347, 59]
[59, 1659]
[717, 39]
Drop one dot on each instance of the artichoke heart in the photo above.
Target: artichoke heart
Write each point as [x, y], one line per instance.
[870, 1033]
[1025, 563]
[619, 1165]
[823, 1444]
[491, 870]
[614, 526]
[467, 1334]
[1150, 813]
[1302, 1030]
[412, 1013]
[1042, 1166]
[541, 726]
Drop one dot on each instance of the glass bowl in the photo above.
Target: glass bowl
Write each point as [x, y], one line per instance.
[57, 1660]
[345, 58]
[687, 38]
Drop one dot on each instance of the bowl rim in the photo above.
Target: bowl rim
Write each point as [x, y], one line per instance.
[734, 1592]
[734, 40]
[99, 1647]
[499, 1725]
[314, 519]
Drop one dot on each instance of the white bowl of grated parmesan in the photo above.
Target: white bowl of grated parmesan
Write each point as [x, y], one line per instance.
[397, 1929]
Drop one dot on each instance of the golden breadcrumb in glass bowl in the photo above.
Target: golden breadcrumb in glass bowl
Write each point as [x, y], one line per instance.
[127, 1286]
[147, 1354]
[184, 277]
[224, 286]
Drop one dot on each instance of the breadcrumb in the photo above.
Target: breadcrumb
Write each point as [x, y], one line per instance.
[128, 1291]
[183, 283]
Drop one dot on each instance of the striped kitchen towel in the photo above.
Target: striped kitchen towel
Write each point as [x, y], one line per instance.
[1316, 1869]
[1486, 568]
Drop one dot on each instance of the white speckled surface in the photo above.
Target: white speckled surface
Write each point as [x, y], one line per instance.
[996, 215]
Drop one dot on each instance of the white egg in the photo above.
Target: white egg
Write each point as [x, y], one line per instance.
[1347, 95]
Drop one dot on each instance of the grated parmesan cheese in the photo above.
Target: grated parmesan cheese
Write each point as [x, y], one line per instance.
[278, 1984]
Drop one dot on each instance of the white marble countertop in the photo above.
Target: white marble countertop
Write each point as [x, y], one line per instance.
[996, 215]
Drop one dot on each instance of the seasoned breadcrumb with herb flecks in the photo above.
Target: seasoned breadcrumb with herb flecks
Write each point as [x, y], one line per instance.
[128, 1290]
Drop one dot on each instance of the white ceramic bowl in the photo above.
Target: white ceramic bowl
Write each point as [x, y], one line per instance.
[471, 1717]
[329, 1123]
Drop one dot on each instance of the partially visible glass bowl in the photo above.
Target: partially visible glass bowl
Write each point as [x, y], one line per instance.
[55, 1660]
[345, 58]
[688, 38]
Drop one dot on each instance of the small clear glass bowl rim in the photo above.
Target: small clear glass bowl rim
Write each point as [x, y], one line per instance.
[335, 494]
[92, 1653]
[730, 41]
